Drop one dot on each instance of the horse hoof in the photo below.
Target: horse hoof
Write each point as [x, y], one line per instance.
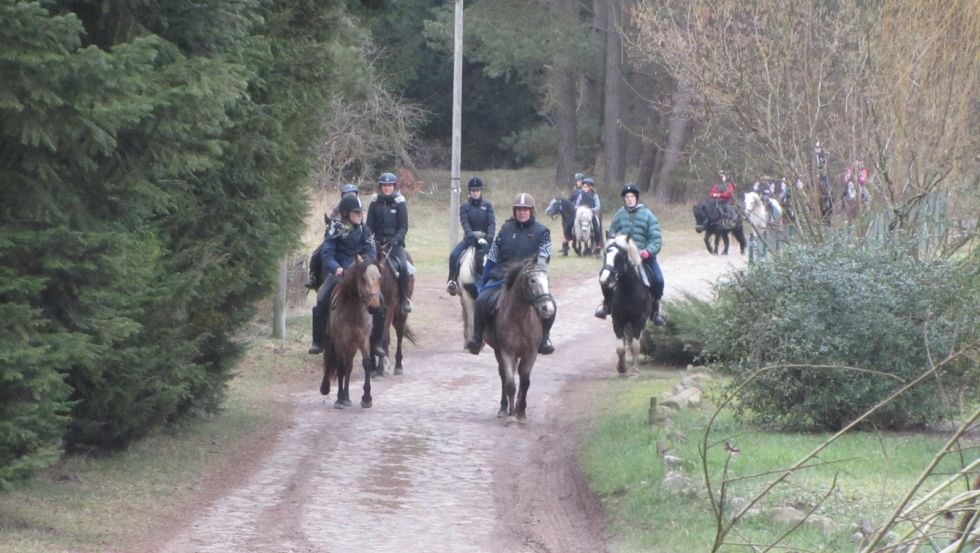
[398, 370]
[338, 404]
[366, 404]
[502, 413]
[324, 390]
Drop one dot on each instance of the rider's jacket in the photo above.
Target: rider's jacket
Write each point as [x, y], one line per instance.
[343, 243]
[514, 242]
[476, 215]
[722, 191]
[388, 218]
[642, 226]
[588, 199]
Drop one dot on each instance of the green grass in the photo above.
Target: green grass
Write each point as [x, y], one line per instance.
[872, 471]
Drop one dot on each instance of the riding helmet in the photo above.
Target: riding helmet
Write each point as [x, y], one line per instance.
[579, 176]
[348, 204]
[630, 187]
[588, 181]
[524, 200]
[475, 183]
[388, 178]
[348, 188]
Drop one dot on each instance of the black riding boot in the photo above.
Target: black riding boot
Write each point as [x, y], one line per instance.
[564, 249]
[546, 347]
[319, 330]
[655, 315]
[479, 322]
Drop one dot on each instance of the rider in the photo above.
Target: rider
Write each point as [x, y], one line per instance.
[388, 219]
[316, 262]
[722, 191]
[644, 229]
[857, 173]
[477, 219]
[567, 222]
[519, 238]
[590, 199]
[347, 238]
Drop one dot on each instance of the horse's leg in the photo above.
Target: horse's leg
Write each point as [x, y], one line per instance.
[341, 388]
[707, 242]
[524, 371]
[399, 334]
[366, 400]
[724, 236]
[621, 355]
[506, 386]
[634, 344]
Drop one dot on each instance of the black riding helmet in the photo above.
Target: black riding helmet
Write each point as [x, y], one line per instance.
[348, 204]
[630, 187]
[475, 183]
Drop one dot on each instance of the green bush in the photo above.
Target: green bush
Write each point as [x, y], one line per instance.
[681, 340]
[820, 307]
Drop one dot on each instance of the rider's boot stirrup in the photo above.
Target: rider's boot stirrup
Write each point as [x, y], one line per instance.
[600, 312]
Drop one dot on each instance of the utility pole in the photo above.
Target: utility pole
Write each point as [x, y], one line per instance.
[457, 121]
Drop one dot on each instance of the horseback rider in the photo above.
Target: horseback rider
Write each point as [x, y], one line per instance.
[316, 260]
[857, 175]
[519, 238]
[388, 219]
[567, 222]
[722, 192]
[477, 219]
[644, 229]
[346, 240]
[590, 199]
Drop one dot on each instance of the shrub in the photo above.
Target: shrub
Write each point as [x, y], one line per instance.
[817, 307]
[681, 340]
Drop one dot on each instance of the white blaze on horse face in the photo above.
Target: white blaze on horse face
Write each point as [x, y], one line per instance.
[610, 261]
[545, 305]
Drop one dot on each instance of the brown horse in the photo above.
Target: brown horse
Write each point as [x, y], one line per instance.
[352, 302]
[393, 317]
[516, 331]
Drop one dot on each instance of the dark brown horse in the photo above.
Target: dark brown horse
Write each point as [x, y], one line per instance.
[516, 331]
[352, 302]
[394, 317]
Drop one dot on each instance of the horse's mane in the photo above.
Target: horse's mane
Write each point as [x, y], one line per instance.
[348, 283]
[513, 268]
[632, 252]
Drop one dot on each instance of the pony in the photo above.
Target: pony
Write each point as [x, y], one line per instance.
[583, 235]
[563, 206]
[712, 218]
[394, 317]
[469, 270]
[623, 276]
[763, 212]
[352, 303]
[516, 331]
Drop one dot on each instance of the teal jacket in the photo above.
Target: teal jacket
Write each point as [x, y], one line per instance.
[642, 226]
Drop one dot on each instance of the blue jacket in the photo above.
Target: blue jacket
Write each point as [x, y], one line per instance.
[477, 215]
[515, 241]
[388, 218]
[343, 243]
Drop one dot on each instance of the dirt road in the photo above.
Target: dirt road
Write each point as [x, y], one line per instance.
[430, 468]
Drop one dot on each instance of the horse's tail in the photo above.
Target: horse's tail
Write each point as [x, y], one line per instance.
[410, 335]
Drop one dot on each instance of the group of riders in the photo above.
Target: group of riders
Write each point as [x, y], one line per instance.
[349, 237]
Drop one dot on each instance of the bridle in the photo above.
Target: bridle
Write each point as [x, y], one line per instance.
[531, 295]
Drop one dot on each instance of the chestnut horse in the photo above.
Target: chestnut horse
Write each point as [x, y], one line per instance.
[516, 331]
[378, 364]
[355, 298]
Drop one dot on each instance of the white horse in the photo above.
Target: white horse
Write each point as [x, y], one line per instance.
[763, 214]
[469, 276]
[582, 232]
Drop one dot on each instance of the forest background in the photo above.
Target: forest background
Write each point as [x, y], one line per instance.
[158, 159]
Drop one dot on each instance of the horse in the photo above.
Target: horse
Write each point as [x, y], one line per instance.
[763, 212]
[353, 301]
[624, 273]
[712, 218]
[469, 270]
[516, 331]
[563, 206]
[583, 235]
[394, 317]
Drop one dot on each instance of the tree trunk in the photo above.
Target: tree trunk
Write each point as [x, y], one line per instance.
[678, 133]
[565, 116]
[651, 150]
[612, 133]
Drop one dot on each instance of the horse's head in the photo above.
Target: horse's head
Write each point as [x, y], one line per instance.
[369, 286]
[534, 285]
[554, 207]
[621, 254]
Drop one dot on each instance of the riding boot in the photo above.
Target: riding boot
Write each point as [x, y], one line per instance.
[406, 305]
[475, 344]
[564, 248]
[319, 330]
[546, 347]
[377, 333]
[655, 315]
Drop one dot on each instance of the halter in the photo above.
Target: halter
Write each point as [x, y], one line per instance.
[526, 286]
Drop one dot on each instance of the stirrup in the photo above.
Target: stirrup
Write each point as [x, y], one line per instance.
[658, 319]
[600, 312]
[546, 347]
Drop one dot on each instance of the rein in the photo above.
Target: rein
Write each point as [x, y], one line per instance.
[533, 298]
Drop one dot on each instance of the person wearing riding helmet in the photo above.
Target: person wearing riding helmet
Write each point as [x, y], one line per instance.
[316, 277]
[388, 219]
[567, 222]
[590, 199]
[347, 239]
[644, 229]
[520, 237]
[479, 225]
